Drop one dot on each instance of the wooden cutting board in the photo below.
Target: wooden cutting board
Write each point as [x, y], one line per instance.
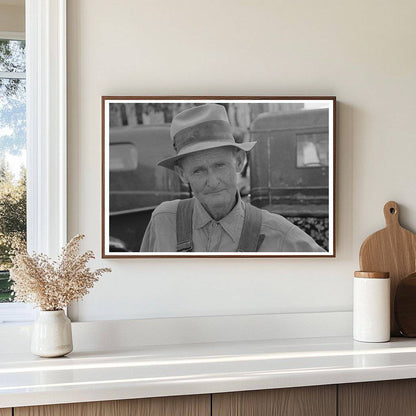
[405, 306]
[393, 250]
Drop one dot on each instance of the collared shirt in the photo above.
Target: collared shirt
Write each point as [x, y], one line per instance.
[209, 235]
[217, 236]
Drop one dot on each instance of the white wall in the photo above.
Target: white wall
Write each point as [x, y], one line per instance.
[361, 51]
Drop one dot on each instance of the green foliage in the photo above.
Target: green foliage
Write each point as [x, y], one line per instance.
[12, 142]
[12, 97]
[12, 55]
[6, 294]
[12, 212]
[317, 228]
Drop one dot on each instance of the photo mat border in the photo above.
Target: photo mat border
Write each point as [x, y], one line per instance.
[106, 100]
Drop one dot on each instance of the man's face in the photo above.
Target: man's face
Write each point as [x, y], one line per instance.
[212, 175]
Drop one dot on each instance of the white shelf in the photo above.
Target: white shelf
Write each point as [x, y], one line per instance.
[149, 371]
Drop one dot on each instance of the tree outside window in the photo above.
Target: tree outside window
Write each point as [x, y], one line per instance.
[12, 155]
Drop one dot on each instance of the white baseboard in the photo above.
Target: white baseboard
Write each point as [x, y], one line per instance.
[19, 313]
[111, 335]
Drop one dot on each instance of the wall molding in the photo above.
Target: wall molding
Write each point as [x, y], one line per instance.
[16, 312]
[115, 335]
[46, 125]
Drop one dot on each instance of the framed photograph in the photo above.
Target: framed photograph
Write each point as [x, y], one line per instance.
[218, 177]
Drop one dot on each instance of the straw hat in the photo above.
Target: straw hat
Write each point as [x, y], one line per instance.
[201, 128]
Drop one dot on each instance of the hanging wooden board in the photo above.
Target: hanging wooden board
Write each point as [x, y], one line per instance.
[393, 250]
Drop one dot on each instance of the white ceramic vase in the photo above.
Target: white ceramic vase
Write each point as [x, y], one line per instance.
[52, 334]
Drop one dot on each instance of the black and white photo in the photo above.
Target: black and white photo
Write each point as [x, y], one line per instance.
[218, 176]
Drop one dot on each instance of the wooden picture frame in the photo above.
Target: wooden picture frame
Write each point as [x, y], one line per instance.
[290, 173]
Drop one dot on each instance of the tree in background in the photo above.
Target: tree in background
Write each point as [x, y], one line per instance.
[12, 212]
[12, 142]
[12, 145]
[12, 98]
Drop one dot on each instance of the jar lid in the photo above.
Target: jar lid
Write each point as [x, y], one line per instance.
[372, 275]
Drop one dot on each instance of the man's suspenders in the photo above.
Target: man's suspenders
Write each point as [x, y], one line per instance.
[250, 240]
[184, 225]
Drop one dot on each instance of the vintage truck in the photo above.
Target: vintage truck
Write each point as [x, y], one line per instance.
[137, 184]
[289, 168]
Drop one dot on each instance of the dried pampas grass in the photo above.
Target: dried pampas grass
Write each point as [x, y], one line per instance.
[52, 285]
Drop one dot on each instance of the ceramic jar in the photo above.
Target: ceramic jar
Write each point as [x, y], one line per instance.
[371, 307]
[52, 334]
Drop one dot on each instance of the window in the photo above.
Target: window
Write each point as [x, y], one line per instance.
[123, 157]
[45, 135]
[312, 150]
[12, 154]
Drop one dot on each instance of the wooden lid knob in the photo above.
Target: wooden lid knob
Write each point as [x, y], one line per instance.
[372, 275]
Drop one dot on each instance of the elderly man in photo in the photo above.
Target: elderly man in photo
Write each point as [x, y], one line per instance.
[215, 219]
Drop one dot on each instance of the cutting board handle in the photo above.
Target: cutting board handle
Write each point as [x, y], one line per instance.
[391, 214]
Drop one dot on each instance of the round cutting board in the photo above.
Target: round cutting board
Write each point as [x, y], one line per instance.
[393, 250]
[405, 306]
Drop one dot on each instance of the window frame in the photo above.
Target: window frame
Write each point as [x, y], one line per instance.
[13, 35]
[46, 125]
[46, 129]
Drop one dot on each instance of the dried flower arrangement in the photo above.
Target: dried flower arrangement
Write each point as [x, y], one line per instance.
[52, 285]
